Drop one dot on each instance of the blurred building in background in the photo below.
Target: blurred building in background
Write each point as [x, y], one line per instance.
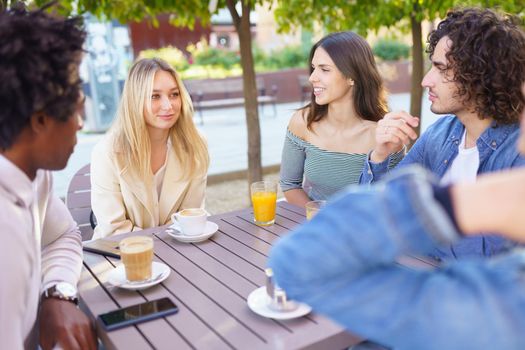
[103, 70]
[145, 36]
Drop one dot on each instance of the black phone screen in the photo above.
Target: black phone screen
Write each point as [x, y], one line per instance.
[138, 313]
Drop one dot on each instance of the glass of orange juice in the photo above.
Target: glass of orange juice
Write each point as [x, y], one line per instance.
[313, 207]
[264, 198]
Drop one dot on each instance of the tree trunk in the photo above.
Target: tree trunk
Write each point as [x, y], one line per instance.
[242, 26]
[416, 90]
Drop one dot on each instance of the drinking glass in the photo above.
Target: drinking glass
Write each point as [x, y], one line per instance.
[313, 207]
[136, 253]
[264, 199]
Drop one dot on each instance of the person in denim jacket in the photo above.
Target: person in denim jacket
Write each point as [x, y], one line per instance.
[478, 64]
[343, 262]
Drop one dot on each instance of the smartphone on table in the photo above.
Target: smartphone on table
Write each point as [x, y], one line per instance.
[134, 314]
[102, 246]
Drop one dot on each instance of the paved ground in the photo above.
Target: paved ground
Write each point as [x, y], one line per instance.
[225, 130]
[232, 195]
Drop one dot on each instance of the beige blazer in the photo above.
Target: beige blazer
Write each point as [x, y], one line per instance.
[122, 203]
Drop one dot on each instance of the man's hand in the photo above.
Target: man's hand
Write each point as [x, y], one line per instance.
[393, 132]
[62, 323]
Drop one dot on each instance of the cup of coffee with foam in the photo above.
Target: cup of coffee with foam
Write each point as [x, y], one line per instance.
[190, 222]
[136, 253]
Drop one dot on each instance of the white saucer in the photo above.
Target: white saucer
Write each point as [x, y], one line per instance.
[117, 277]
[209, 231]
[258, 302]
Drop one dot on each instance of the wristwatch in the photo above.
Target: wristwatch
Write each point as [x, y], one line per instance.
[63, 291]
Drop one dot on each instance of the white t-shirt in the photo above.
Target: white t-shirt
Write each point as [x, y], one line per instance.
[464, 167]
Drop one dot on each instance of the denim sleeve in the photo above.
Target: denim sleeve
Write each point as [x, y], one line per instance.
[374, 172]
[342, 263]
[518, 162]
[417, 151]
[292, 163]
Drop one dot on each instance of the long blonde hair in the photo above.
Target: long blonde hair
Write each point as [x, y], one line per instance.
[131, 138]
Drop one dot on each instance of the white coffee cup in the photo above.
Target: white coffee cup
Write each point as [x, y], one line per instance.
[191, 221]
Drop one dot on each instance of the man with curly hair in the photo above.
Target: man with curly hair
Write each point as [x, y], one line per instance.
[478, 66]
[41, 252]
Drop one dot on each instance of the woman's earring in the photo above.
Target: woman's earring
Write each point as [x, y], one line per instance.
[351, 82]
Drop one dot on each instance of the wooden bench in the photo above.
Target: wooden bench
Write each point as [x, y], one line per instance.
[226, 93]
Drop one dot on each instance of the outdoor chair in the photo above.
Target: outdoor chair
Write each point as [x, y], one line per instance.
[78, 201]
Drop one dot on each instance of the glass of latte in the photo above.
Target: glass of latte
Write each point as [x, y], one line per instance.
[137, 255]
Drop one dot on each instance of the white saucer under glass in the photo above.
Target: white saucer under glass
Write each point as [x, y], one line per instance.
[159, 272]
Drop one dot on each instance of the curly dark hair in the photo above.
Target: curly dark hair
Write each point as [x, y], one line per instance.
[39, 58]
[487, 59]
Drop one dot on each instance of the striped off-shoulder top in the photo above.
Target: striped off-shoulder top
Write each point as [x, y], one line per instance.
[320, 173]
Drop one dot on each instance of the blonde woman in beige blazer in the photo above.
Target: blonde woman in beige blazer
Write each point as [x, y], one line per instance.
[153, 162]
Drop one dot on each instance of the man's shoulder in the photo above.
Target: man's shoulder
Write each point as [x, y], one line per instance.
[12, 218]
[445, 126]
[446, 120]
[505, 131]
[16, 189]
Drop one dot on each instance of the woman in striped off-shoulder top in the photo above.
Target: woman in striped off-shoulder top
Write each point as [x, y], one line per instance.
[328, 140]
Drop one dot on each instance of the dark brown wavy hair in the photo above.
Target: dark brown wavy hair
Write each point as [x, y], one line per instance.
[487, 59]
[354, 58]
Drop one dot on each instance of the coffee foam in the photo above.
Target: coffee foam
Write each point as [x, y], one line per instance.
[192, 212]
[136, 247]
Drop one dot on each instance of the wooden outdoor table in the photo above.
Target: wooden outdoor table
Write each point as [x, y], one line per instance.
[210, 282]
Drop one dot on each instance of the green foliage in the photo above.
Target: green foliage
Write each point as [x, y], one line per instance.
[170, 54]
[217, 57]
[370, 15]
[286, 57]
[259, 56]
[358, 15]
[137, 10]
[391, 50]
[208, 62]
[209, 72]
[205, 55]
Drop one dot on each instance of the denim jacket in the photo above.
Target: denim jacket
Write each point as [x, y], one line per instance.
[437, 148]
[343, 264]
